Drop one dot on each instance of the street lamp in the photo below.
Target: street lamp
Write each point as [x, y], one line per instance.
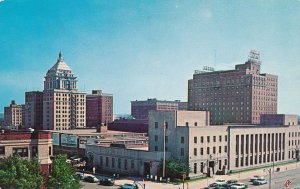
[270, 172]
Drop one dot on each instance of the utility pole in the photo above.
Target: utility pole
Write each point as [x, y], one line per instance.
[164, 158]
[270, 172]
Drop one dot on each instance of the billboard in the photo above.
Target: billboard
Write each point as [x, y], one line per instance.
[68, 140]
[82, 143]
[56, 140]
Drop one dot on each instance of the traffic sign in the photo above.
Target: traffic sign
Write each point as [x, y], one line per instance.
[287, 183]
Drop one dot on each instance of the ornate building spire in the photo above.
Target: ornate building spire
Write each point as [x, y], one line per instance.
[60, 58]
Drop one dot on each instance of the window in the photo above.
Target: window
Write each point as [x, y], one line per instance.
[220, 138]
[132, 164]
[202, 140]
[50, 151]
[182, 140]
[112, 162]
[22, 152]
[166, 125]
[207, 150]
[195, 168]
[220, 149]
[214, 138]
[225, 149]
[187, 124]
[182, 151]
[156, 138]
[34, 151]
[208, 139]
[166, 139]
[2, 150]
[119, 163]
[155, 148]
[226, 138]
[125, 164]
[195, 123]
[214, 150]
[195, 151]
[106, 161]
[201, 151]
[101, 160]
[195, 140]
[156, 125]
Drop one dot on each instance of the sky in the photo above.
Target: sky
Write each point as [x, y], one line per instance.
[142, 49]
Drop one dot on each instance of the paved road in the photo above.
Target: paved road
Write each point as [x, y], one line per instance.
[292, 173]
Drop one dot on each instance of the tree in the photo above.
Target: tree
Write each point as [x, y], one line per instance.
[18, 173]
[175, 168]
[62, 175]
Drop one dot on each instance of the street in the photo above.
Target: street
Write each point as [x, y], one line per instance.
[288, 172]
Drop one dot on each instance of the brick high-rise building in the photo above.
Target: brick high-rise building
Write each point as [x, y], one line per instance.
[99, 108]
[140, 109]
[63, 105]
[34, 110]
[234, 96]
[13, 114]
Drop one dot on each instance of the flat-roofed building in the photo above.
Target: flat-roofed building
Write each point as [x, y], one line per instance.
[34, 110]
[99, 108]
[234, 96]
[140, 109]
[278, 119]
[13, 114]
[28, 145]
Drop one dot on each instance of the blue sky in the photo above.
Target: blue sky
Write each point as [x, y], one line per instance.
[145, 49]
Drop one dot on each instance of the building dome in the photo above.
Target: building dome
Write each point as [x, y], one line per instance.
[60, 67]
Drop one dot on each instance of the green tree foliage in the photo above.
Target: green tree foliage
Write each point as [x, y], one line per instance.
[62, 175]
[175, 168]
[18, 173]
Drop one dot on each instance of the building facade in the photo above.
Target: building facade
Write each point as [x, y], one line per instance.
[211, 149]
[13, 114]
[34, 110]
[64, 106]
[234, 96]
[99, 108]
[28, 145]
[208, 149]
[140, 109]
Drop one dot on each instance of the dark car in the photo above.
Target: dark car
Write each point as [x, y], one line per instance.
[90, 178]
[107, 182]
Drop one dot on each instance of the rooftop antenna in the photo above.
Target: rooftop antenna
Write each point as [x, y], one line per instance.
[215, 59]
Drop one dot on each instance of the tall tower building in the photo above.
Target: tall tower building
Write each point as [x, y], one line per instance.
[13, 114]
[63, 105]
[34, 110]
[99, 108]
[234, 96]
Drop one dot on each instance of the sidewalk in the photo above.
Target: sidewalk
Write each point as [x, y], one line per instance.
[199, 184]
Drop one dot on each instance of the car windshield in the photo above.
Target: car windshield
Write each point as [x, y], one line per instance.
[220, 180]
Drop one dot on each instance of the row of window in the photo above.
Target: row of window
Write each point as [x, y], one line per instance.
[208, 150]
[117, 163]
[208, 139]
[258, 159]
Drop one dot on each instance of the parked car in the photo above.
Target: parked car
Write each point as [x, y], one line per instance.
[216, 186]
[230, 182]
[107, 182]
[220, 181]
[129, 186]
[238, 186]
[79, 175]
[255, 177]
[90, 178]
[260, 181]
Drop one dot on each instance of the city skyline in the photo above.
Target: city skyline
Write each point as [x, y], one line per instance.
[139, 50]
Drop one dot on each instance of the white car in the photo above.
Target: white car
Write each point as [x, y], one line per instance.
[238, 186]
[255, 177]
[220, 181]
[260, 181]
